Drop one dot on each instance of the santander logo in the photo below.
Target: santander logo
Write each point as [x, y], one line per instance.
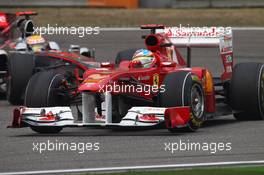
[196, 31]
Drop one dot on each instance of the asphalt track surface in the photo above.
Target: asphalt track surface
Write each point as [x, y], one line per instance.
[132, 148]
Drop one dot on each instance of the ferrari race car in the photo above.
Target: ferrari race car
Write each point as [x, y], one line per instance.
[31, 53]
[154, 88]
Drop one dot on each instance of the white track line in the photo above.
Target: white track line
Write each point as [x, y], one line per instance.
[248, 28]
[117, 29]
[123, 29]
[129, 168]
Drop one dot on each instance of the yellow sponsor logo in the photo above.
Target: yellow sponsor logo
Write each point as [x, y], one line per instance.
[156, 79]
[92, 81]
[98, 76]
[195, 121]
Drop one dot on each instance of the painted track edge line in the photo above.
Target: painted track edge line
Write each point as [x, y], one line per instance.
[117, 29]
[127, 168]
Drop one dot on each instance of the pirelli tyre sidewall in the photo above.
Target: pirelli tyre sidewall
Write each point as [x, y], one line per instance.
[184, 89]
[195, 99]
[246, 91]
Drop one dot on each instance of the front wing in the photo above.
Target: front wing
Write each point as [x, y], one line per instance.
[137, 117]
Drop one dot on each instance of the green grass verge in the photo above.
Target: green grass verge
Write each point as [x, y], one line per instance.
[135, 17]
[201, 171]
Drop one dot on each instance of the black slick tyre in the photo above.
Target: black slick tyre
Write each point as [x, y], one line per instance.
[184, 89]
[247, 91]
[20, 69]
[42, 91]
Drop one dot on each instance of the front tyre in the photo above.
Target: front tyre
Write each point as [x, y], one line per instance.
[184, 89]
[44, 90]
[46, 129]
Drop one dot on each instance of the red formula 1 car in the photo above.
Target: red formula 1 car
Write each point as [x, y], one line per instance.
[26, 53]
[156, 88]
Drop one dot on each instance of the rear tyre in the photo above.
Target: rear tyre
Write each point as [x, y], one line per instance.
[3, 75]
[246, 91]
[20, 69]
[125, 55]
[184, 89]
[43, 91]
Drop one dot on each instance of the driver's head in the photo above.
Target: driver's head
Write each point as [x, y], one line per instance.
[143, 57]
[36, 43]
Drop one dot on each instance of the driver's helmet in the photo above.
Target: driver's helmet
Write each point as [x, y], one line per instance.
[143, 58]
[36, 43]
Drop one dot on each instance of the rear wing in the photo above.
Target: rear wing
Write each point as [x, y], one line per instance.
[203, 37]
[26, 13]
[200, 37]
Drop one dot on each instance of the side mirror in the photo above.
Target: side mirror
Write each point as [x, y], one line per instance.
[87, 52]
[21, 47]
[168, 64]
[107, 65]
[74, 48]
[54, 46]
